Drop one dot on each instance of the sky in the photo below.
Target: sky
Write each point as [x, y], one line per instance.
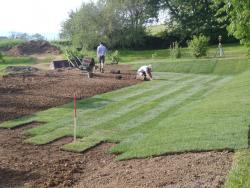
[35, 16]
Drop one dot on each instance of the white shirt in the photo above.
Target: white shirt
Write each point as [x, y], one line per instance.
[101, 50]
[143, 69]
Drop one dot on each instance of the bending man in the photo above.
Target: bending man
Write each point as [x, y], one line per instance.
[145, 73]
[101, 53]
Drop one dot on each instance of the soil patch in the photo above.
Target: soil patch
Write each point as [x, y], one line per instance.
[23, 94]
[20, 70]
[207, 169]
[33, 47]
[26, 165]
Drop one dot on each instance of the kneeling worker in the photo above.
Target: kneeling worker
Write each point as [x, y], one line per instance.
[145, 73]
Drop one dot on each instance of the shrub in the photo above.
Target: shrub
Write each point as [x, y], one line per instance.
[175, 50]
[115, 57]
[199, 45]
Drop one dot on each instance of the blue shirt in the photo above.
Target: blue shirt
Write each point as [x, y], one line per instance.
[101, 50]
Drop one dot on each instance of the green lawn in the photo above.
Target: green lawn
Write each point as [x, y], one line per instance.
[239, 176]
[173, 113]
[134, 57]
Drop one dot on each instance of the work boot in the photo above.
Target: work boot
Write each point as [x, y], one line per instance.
[102, 70]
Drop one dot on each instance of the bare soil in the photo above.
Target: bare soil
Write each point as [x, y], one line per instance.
[25, 165]
[33, 47]
[24, 94]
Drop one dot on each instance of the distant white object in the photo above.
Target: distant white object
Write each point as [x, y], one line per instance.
[52, 66]
[221, 51]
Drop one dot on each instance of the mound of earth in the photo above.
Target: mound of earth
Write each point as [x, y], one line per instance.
[33, 47]
[20, 69]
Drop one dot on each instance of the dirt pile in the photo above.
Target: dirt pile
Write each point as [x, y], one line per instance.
[33, 47]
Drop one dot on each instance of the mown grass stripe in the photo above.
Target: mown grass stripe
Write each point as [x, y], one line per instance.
[173, 110]
[84, 116]
[164, 107]
[184, 132]
[158, 105]
[119, 108]
[110, 111]
[125, 93]
[53, 128]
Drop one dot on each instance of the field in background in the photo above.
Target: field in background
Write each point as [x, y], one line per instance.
[161, 60]
[156, 30]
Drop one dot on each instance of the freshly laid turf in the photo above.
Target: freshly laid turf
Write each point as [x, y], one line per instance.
[219, 121]
[174, 113]
[240, 173]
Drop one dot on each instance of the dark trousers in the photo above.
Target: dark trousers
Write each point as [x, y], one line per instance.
[102, 59]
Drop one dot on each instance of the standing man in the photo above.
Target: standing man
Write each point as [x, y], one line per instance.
[145, 73]
[101, 53]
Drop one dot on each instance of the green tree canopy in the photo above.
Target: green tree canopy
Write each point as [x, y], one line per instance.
[194, 17]
[238, 14]
[118, 23]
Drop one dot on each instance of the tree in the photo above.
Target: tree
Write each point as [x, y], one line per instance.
[26, 36]
[194, 17]
[133, 15]
[118, 23]
[238, 14]
[37, 36]
[83, 27]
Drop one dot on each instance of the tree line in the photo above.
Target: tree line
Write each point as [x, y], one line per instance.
[26, 36]
[123, 23]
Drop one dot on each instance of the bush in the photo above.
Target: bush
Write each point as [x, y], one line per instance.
[175, 50]
[115, 57]
[199, 45]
